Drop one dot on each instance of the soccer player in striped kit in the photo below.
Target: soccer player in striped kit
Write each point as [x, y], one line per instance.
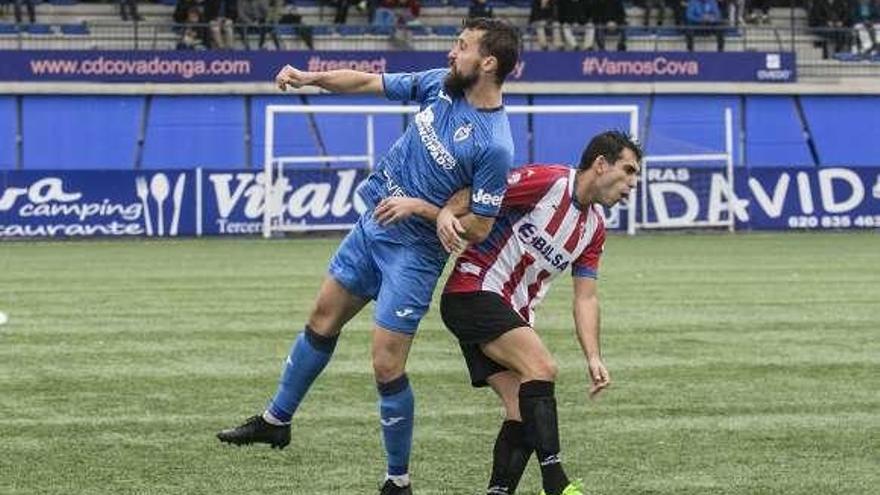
[550, 222]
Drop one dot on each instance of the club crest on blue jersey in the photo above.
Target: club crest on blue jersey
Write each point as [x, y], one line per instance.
[463, 132]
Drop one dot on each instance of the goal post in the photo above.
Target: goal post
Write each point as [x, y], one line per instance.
[686, 179]
[274, 164]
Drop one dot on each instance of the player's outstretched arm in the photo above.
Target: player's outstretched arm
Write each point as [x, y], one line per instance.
[336, 81]
[586, 321]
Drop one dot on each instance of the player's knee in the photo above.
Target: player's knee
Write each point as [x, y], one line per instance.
[323, 320]
[386, 367]
[544, 369]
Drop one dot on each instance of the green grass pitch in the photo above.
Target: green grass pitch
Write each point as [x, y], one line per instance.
[742, 364]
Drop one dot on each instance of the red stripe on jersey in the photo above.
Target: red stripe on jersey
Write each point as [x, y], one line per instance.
[561, 210]
[534, 288]
[576, 232]
[516, 276]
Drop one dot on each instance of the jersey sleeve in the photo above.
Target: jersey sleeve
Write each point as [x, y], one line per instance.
[527, 185]
[587, 264]
[413, 86]
[490, 180]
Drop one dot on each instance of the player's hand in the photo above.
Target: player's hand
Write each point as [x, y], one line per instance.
[395, 208]
[290, 76]
[449, 230]
[599, 377]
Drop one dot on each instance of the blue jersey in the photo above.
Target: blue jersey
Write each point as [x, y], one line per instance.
[447, 146]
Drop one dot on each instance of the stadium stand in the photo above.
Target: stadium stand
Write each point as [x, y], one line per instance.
[99, 26]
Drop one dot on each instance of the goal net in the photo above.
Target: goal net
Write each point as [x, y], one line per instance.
[680, 191]
[688, 191]
[283, 201]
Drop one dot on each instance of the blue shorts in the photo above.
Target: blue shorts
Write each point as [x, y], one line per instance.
[400, 278]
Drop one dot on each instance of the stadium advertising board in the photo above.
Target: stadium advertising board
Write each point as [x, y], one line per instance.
[260, 66]
[764, 198]
[162, 203]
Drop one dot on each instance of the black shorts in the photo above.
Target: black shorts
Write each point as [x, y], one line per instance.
[476, 318]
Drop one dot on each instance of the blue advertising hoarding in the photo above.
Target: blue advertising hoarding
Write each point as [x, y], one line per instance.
[163, 203]
[261, 66]
[777, 198]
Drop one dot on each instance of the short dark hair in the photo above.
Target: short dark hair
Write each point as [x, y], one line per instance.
[500, 39]
[609, 144]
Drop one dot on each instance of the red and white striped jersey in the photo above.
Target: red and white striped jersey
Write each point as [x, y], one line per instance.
[540, 232]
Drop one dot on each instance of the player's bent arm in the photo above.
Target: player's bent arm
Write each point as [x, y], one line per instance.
[460, 202]
[397, 208]
[586, 316]
[475, 228]
[470, 227]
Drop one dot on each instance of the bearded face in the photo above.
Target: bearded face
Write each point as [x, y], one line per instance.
[457, 81]
[464, 63]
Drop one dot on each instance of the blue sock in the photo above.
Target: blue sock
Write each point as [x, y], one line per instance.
[308, 356]
[396, 410]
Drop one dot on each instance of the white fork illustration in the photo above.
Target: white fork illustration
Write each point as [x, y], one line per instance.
[142, 192]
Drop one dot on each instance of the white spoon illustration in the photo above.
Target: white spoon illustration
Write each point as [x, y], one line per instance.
[159, 189]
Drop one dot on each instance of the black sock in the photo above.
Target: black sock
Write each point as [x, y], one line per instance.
[537, 405]
[509, 459]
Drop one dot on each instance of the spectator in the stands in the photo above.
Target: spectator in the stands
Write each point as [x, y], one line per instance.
[193, 34]
[866, 22]
[676, 6]
[542, 17]
[258, 17]
[221, 16]
[704, 19]
[128, 10]
[480, 8]
[29, 4]
[342, 6]
[287, 14]
[831, 20]
[735, 10]
[405, 11]
[610, 19]
[758, 11]
[576, 14]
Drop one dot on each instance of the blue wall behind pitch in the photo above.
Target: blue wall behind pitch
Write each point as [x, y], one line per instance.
[105, 132]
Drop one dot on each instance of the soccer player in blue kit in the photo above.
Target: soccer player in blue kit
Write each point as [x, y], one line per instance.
[460, 138]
